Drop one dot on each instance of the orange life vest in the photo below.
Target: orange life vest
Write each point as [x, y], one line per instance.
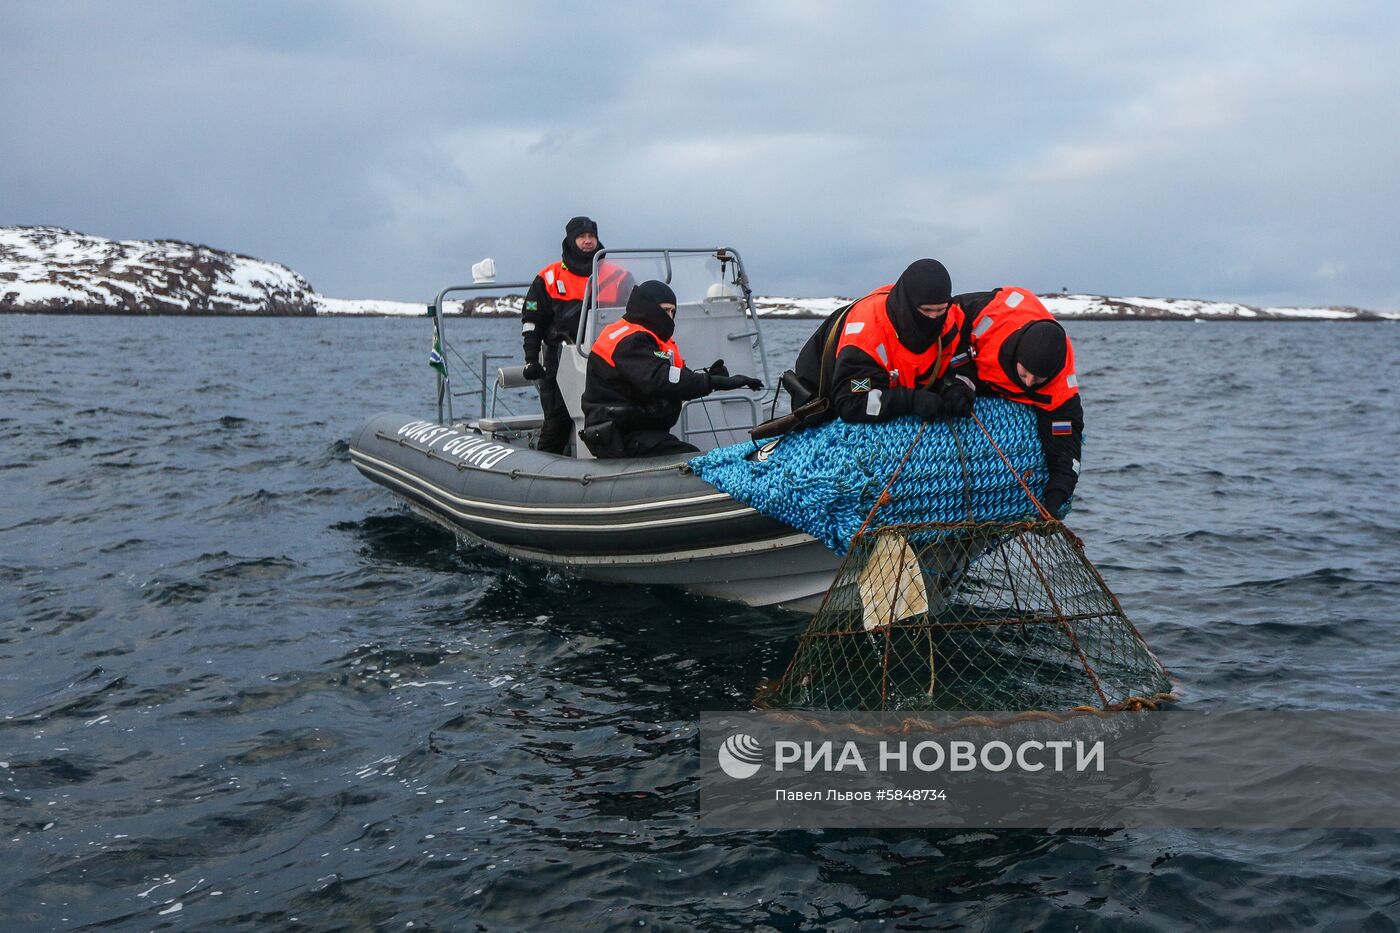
[868, 328]
[564, 285]
[1012, 309]
[607, 342]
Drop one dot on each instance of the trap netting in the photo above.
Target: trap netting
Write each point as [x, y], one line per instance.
[949, 616]
[969, 615]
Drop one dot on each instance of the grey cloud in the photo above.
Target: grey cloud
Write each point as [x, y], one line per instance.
[1240, 153]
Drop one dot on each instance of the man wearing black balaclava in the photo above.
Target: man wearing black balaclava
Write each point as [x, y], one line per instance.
[550, 319]
[1017, 350]
[887, 354]
[637, 380]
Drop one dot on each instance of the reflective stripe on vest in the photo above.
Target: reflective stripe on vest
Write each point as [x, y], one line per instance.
[606, 344]
[1004, 315]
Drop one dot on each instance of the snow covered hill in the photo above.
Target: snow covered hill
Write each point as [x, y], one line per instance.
[50, 269]
[53, 270]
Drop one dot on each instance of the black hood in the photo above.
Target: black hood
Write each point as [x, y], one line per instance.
[576, 260]
[1040, 346]
[644, 308]
[925, 282]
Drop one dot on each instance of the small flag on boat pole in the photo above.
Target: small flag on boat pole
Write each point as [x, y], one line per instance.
[435, 359]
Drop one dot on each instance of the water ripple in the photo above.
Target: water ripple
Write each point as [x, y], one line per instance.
[240, 688]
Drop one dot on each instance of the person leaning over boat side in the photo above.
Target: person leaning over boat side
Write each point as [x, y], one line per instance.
[1020, 352]
[891, 348]
[550, 319]
[637, 380]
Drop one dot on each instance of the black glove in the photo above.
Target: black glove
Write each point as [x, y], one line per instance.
[717, 368]
[719, 383]
[534, 371]
[1054, 502]
[957, 398]
[928, 406]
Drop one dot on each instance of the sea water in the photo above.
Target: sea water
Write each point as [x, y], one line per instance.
[240, 688]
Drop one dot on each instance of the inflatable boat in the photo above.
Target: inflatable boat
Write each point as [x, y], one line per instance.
[649, 521]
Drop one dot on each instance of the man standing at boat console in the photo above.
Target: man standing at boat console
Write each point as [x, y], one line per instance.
[550, 319]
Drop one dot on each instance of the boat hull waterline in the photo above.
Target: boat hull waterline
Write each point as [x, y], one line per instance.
[622, 521]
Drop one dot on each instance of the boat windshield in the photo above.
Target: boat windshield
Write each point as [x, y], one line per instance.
[711, 277]
[693, 276]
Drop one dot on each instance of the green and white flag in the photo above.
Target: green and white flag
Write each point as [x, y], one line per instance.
[435, 358]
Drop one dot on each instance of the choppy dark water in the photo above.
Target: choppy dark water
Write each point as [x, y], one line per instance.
[239, 689]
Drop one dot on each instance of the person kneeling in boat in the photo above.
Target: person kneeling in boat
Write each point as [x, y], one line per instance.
[884, 355]
[637, 380]
[1020, 352]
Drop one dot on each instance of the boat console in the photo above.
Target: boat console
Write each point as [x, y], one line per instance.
[715, 319]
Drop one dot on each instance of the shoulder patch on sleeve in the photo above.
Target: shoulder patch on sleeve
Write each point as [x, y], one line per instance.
[532, 306]
[860, 385]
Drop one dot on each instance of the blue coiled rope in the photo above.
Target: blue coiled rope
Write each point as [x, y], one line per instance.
[825, 480]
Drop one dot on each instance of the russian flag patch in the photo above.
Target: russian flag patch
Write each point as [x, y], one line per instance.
[1058, 428]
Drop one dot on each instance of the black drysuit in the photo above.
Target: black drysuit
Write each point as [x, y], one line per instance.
[641, 391]
[1062, 451]
[923, 282]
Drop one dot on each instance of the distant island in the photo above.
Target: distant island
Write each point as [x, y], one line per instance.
[50, 270]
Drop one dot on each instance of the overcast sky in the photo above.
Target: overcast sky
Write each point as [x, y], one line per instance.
[1245, 151]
